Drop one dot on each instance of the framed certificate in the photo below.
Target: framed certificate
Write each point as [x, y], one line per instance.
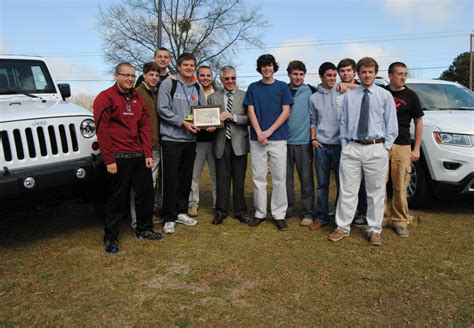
[207, 116]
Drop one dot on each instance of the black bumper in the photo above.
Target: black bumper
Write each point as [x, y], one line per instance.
[454, 189]
[53, 183]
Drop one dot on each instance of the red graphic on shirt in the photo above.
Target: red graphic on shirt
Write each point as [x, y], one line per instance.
[193, 98]
[399, 102]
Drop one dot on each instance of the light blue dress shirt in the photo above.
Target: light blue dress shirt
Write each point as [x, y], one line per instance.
[382, 115]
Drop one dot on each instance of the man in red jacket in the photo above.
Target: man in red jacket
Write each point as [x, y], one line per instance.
[123, 132]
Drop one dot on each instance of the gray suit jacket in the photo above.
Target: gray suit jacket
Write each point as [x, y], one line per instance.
[239, 129]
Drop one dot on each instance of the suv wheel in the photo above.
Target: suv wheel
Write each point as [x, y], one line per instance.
[418, 191]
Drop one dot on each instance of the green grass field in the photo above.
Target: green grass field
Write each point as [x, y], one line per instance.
[54, 272]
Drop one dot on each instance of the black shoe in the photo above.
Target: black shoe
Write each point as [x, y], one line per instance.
[281, 225]
[243, 218]
[148, 234]
[218, 218]
[255, 222]
[110, 246]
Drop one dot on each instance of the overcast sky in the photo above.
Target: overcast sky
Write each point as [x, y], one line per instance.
[425, 34]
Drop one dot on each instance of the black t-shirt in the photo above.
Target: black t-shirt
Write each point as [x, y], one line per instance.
[408, 107]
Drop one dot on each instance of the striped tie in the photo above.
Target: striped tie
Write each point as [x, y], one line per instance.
[363, 126]
[228, 134]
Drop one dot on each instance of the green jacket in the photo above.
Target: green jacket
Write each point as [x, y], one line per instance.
[149, 99]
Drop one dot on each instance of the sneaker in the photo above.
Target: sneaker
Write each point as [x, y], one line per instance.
[317, 224]
[281, 225]
[375, 239]
[110, 246]
[186, 220]
[306, 222]
[169, 227]
[410, 218]
[402, 231]
[360, 221]
[148, 234]
[338, 234]
[193, 210]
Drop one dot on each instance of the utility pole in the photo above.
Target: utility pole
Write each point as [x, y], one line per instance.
[160, 23]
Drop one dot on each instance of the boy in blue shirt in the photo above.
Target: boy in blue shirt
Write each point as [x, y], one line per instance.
[269, 102]
[299, 150]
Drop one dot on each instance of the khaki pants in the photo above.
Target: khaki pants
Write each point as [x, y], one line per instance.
[275, 151]
[203, 153]
[400, 168]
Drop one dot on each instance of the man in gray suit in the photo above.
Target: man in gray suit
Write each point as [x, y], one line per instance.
[231, 146]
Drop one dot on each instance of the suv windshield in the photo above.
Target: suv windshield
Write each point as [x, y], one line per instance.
[25, 77]
[443, 96]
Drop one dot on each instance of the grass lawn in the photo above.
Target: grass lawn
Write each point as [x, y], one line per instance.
[54, 272]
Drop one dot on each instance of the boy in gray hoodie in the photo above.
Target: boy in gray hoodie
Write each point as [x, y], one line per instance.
[178, 140]
[325, 107]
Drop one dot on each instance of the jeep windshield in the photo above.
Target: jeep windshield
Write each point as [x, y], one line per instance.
[435, 96]
[25, 77]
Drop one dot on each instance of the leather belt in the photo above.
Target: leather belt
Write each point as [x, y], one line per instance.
[369, 141]
[128, 155]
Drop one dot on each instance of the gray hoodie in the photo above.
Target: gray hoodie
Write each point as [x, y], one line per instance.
[173, 111]
[325, 109]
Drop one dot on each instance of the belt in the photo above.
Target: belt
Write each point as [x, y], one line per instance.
[369, 141]
[129, 155]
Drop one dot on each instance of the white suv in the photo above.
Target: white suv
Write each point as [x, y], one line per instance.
[446, 166]
[48, 147]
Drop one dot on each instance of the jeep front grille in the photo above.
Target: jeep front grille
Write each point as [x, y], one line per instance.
[38, 142]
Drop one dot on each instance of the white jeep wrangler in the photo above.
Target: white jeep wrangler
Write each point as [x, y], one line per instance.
[446, 166]
[48, 147]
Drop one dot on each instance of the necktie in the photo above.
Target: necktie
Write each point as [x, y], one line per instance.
[363, 127]
[228, 134]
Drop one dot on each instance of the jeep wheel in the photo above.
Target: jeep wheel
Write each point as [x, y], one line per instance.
[418, 191]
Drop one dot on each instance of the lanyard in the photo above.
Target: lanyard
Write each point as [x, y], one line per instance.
[186, 94]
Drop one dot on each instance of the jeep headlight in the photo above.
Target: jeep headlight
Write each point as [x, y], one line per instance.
[453, 139]
[88, 128]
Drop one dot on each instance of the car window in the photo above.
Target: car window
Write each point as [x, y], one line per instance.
[29, 76]
[443, 96]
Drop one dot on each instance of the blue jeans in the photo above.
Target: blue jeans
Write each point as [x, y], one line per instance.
[326, 159]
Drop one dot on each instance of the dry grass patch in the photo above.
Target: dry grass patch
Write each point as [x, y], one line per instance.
[54, 272]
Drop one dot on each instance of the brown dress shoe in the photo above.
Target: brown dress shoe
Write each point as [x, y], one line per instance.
[375, 239]
[316, 225]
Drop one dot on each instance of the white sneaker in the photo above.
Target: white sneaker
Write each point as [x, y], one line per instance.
[306, 222]
[186, 220]
[169, 227]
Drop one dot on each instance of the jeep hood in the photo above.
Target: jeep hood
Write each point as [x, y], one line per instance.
[36, 108]
[454, 121]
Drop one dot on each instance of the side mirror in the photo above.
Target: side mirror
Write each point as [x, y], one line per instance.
[65, 90]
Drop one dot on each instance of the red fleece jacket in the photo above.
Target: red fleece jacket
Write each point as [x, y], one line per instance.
[123, 125]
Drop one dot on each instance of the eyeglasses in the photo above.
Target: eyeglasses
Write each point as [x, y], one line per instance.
[230, 78]
[133, 76]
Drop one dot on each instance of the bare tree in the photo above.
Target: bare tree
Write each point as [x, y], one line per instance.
[212, 30]
[84, 100]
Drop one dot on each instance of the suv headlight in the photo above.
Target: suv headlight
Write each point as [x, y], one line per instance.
[453, 139]
[88, 128]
